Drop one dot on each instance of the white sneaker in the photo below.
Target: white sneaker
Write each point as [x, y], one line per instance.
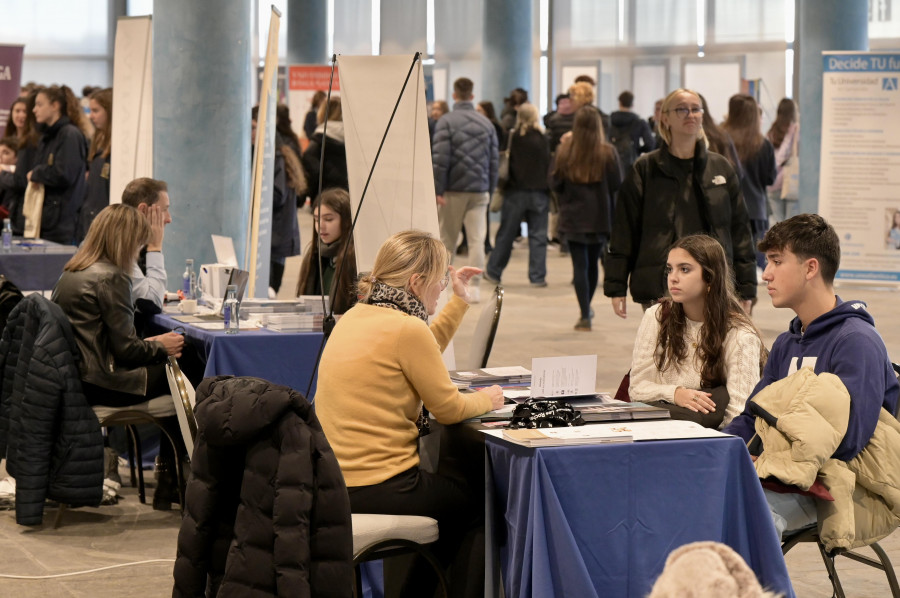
[474, 294]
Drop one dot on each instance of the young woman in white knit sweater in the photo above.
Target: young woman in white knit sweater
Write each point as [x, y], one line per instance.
[698, 337]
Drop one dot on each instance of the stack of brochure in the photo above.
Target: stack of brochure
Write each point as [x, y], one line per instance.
[308, 322]
[505, 376]
[567, 436]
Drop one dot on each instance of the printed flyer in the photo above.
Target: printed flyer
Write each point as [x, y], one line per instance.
[859, 175]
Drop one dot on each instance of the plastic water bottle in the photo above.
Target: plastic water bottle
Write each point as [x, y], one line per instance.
[231, 310]
[188, 280]
[7, 235]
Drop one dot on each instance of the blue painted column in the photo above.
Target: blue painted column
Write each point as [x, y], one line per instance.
[822, 25]
[307, 32]
[506, 58]
[201, 124]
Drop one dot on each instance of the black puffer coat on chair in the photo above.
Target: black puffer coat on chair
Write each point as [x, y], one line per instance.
[267, 510]
[49, 434]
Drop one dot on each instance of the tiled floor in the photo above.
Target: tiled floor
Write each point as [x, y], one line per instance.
[535, 322]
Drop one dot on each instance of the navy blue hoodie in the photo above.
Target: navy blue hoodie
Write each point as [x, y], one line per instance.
[843, 342]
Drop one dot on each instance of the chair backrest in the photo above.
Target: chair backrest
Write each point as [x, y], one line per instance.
[184, 398]
[485, 331]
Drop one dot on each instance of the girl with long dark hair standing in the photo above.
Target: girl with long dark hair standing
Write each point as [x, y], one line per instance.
[14, 181]
[97, 195]
[60, 161]
[784, 135]
[586, 176]
[758, 159]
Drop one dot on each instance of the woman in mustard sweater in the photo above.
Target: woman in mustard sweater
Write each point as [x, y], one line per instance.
[381, 364]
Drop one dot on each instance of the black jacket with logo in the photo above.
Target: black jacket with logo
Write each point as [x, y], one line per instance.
[645, 224]
[60, 166]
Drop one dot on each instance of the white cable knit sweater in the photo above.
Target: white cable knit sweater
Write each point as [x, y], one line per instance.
[741, 348]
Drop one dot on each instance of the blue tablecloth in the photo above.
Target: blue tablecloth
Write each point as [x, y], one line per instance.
[282, 357]
[599, 521]
[35, 266]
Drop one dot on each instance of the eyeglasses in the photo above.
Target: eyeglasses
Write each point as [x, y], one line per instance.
[445, 281]
[684, 111]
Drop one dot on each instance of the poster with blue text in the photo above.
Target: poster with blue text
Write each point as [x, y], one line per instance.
[859, 177]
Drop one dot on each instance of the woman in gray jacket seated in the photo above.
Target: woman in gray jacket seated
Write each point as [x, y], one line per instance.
[117, 367]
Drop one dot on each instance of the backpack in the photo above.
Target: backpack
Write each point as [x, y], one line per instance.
[623, 141]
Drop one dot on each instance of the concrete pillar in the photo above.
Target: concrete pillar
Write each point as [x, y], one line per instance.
[307, 32]
[506, 51]
[201, 124]
[822, 25]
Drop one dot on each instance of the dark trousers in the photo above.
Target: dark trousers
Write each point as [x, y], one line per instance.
[585, 272]
[455, 498]
[276, 273]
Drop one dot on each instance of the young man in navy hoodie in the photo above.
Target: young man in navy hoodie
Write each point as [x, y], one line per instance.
[830, 335]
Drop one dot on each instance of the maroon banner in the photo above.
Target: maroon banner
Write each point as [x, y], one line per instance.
[10, 78]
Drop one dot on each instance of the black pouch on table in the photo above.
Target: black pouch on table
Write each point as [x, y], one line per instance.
[707, 420]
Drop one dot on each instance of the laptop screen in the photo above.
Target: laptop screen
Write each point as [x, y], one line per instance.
[239, 278]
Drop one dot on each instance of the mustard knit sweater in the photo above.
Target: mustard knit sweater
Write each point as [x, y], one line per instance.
[377, 369]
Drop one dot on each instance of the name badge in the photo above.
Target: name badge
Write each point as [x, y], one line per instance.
[104, 172]
[50, 160]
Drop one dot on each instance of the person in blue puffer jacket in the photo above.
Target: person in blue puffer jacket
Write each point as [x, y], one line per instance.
[465, 158]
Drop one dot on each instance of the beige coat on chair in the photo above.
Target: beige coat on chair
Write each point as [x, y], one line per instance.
[812, 414]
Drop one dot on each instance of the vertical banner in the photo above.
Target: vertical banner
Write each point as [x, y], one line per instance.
[401, 193]
[304, 80]
[260, 245]
[132, 126]
[859, 170]
[10, 78]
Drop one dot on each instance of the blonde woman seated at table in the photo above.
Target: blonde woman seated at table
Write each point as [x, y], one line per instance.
[381, 364]
[697, 343]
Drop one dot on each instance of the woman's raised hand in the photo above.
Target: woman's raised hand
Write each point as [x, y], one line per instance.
[460, 280]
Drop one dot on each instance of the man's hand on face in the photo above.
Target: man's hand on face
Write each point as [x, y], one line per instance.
[157, 227]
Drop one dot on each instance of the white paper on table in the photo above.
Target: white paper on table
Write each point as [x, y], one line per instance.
[563, 376]
[638, 430]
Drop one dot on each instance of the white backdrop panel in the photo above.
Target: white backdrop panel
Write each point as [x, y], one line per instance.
[132, 126]
[401, 193]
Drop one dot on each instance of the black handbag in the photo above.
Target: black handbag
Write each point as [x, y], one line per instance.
[544, 413]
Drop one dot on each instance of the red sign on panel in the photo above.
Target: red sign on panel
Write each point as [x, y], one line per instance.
[312, 77]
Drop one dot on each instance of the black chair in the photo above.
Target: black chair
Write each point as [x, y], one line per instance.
[180, 403]
[485, 331]
[811, 534]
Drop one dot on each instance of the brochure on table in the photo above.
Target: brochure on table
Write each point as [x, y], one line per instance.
[637, 430]
[568, 376]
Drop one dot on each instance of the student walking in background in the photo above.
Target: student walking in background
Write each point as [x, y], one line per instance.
[758, 159]
[586, 176]
[784, 134]
[524, 197]
[677, 190]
